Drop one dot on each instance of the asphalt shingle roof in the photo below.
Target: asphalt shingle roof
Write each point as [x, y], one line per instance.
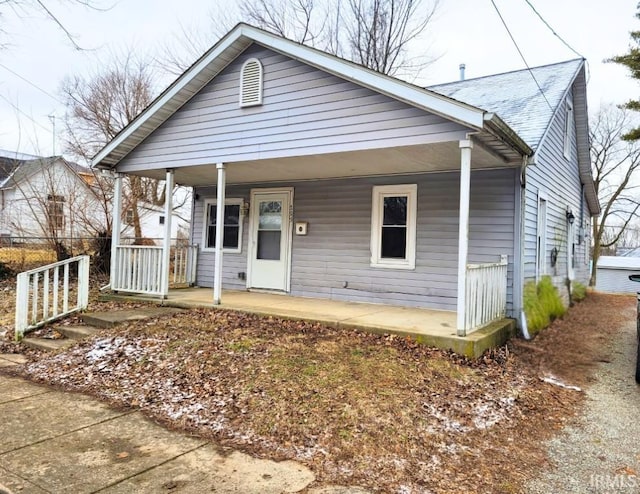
[515, 97]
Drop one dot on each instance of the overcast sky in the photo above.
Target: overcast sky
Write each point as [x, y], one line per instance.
[465, 31]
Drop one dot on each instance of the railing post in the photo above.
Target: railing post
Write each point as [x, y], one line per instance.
[83, 282]
[22, 305]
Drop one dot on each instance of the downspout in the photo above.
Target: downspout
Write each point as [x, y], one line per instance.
[526, 161]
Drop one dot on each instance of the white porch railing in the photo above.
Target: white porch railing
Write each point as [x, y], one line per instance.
[486, 293]
[47, 293]
[184, 259]
[138, 268]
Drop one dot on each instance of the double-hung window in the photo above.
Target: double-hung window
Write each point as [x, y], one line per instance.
[232, 240]
[393, 226]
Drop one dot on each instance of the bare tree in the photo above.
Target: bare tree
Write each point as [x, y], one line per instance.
[26, 8]
[378, 34]
[98, 107]
[615, 162]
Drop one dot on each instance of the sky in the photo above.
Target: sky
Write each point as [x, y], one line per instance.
[463, 31]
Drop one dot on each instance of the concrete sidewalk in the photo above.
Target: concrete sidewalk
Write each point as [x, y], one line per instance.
[52, 441]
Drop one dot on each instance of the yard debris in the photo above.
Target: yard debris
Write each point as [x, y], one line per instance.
[377, 411]
[557, 382]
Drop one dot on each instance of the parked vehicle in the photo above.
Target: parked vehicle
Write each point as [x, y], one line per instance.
[636, 277]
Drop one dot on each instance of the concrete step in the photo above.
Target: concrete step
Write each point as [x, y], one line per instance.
[77, 332]
[110, 319]
[47, 344]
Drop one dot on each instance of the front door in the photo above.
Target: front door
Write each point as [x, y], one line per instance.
[270, 239]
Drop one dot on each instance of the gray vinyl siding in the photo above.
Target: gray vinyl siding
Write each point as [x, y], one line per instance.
[305, 111]
[557, 177]
[336, 249]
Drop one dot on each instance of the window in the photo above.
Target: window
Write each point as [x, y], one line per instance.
[55, 212]
[393, 226]
[161, 219]
[251, 83]
[568, 129]
[541, 244]
[128, 216]
[232, 240]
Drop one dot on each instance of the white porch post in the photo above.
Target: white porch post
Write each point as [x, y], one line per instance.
[166, 242]
[217, 271]
[463, 232]
[116, 226]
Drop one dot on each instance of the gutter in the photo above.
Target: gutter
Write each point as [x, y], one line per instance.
[501, 130]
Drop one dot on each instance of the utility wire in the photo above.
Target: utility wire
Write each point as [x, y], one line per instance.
[551, 29]
[544, 21]
[521, 55]
[16, 108]
[30, 83]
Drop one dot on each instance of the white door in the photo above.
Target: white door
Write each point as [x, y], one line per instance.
[270, 239]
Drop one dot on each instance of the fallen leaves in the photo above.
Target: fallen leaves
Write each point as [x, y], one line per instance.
[378, 411]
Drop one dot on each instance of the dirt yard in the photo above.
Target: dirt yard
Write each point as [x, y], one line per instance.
[359, 409]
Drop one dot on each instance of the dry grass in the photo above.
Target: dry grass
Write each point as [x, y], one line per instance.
[26, 258]
[359, 409]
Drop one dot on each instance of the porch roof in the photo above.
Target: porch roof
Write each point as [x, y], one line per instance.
[490, 131]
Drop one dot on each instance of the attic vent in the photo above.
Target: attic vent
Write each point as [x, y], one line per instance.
[251, 83]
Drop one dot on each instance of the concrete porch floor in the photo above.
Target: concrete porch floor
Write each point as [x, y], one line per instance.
[431, 327]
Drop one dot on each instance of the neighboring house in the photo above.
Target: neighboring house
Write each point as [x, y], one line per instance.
[342, 183]
[55, 198]
[46, 197]
[152, 223]
[613, 274]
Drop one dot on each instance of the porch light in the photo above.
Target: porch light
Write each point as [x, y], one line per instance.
[244, 208]
[570, 217]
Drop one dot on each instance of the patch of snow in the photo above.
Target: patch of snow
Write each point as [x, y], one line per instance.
[557, 382]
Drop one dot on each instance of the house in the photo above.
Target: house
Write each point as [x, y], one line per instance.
[342, 183]
[51, 197]
[613, 274]
[46, 197]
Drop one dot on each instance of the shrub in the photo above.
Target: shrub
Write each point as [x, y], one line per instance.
[5, 271]
[550, 298]
[537, 318]
[542, 304]
[579, 291]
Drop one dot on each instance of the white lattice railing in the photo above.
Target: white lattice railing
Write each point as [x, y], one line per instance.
[486, 293]
[51, 292]
[138, 268]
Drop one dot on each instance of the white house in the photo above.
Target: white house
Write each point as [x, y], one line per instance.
[51, 197]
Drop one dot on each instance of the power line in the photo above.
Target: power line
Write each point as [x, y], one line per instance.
[521, 55]
[16, 108]
[30, 83]
[551, 29]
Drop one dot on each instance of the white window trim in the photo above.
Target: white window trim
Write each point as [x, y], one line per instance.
[379, 192]
[541, 270]
[205, 225]
[568, 127]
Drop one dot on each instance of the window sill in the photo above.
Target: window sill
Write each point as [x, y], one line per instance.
[224, 251]
[383, 265]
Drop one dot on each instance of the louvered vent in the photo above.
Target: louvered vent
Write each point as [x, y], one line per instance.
[251, 83]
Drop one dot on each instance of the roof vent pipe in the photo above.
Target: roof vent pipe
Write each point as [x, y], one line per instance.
[462, 67]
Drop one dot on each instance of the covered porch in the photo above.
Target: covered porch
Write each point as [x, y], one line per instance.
[431, 327]
[477, 290]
